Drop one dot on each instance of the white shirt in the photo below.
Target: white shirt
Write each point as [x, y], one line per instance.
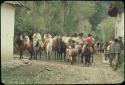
[45, 36]
[66, 39]
[36, 36]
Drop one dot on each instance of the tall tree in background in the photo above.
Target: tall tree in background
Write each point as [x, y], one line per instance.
[97, 17]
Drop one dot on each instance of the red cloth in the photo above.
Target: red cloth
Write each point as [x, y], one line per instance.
[89, 40]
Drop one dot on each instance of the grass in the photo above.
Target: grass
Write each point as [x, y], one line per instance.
[43, 75]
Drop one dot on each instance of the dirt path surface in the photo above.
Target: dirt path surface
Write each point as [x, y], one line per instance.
[55, 72]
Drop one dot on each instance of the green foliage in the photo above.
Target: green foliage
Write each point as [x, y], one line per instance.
[98, 16]
[106, 29]
[61, 16]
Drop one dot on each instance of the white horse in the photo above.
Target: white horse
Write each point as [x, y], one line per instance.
[49, 46]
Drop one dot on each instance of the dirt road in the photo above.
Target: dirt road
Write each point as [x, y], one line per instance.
[55, 72]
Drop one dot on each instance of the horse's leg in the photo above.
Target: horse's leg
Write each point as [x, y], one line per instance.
[82, 58]
[20, 54]
[47, 54]
[30, 51]
[72, 60]
[60, 56]
[55, 54]
[34, 53]
[89, 60]
[78, 57]
[50, 53]
[40, 52]
[31, 55]
[64, 56]
[92, 58]
[85, 60]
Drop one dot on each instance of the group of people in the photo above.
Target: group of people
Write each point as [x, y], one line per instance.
[111, 49]
[70, 40]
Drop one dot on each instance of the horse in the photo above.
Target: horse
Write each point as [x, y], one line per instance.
[88, 50]
[87, 54]
[78, 47]
[59, 48]
[49, 43]
[37, 49]
[71, 55]
[22, 45]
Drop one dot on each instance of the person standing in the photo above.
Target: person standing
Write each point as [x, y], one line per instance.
[114, 52]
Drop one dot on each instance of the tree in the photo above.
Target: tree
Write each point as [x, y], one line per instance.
[98, 16]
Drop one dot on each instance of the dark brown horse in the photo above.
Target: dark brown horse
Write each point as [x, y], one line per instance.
[59, 48]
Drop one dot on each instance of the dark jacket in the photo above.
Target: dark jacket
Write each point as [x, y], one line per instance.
[115, 48]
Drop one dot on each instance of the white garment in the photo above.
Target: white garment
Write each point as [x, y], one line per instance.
[74, 38]
[36, 36]
[45, 36]
[21, 37]
[27, 38]
[66, 39]
[56, 37]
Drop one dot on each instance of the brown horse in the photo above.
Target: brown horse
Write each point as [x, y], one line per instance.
[22, 46]
[59, 48]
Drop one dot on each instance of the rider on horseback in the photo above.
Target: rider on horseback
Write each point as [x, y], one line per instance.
[89, 40]
[36, 37]
[57, 36]
[24, 38]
